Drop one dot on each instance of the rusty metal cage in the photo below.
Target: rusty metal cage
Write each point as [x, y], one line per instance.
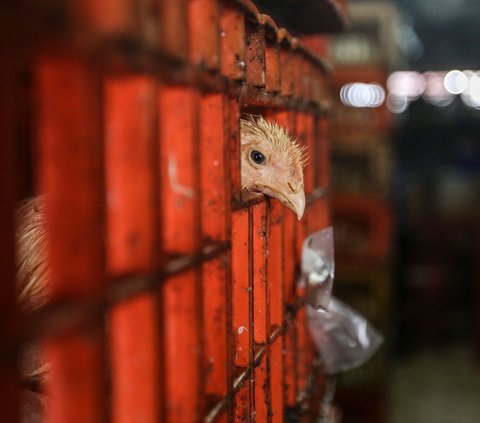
[171, 298]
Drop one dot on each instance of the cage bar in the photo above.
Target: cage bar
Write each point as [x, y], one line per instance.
[130, 116]
[70, 155]
[215, 209]
[172, 296]
[204, 33]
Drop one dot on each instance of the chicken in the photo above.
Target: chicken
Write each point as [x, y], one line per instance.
[272, 163]
[31, 254]
[31, 295]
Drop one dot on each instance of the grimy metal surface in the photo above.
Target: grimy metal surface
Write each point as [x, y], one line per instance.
[171, 298]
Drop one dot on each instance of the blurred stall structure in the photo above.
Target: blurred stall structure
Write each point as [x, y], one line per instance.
[171, 297]
[361, 180]
[406, 164]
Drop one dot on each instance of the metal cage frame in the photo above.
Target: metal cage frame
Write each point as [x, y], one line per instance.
[172, 298]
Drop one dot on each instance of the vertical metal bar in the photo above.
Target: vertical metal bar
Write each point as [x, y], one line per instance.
[262, 391]
[307, 79]
[241, 293]
[214, 185]
[232, 175]
[203, 29]
[298, 73]
[135, 358]
[180, 230]
[234, 148]
[116, 17]
[181, 343]
[277, 380]
[275, 281]
[241, 288]
[179, 163]
[272, 65]
[149, 28]
[286, 71]
[251, 309]
[232, 40]
[71, 176]
[9, 382]
[130, 113]
[291, 377]
[242, 405]
[260, 311]
[275, 264]
[260, 228]
[302, 354]
[289, 224]
[255, 55]
[172, 29]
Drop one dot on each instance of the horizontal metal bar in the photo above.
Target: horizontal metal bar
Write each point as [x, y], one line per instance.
[252, 95]
[67, 315]
[316, 194]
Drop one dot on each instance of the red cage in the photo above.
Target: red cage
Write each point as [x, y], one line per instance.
[172, 298]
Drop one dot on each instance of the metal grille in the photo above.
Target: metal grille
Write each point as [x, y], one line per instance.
[172, 298]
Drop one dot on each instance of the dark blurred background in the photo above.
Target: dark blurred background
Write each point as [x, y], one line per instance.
[406, 177]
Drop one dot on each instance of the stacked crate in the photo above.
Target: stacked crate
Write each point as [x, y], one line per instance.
[172, 298]
[361, 182]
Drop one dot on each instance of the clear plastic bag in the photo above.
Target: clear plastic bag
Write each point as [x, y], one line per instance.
[342, 336]
[318, 267]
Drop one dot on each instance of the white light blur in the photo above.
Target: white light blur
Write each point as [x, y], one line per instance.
[359, 94]
[440, 101]
[437, 88]
[409, 84]
[434, 86]
[397, 103]
[455, 82]
[471, 96]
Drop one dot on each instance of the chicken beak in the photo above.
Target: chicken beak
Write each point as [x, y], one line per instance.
[295, 201]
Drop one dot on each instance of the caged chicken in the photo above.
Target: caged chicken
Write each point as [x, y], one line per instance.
[271, 164]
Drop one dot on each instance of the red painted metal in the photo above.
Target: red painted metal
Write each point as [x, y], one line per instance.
[272, 66]
[180, 203]
[241, 289]
[203, 29]
[286, 69]
[181, 314]
[130, 113]
[260, 310]
[179, 169]
[136, 108]
[112, 17]
[291, 367]
[172, 16]
[215, 209]
[276, 265]
[71, 175]
[232, 39]
[255, 55]
[262, 392]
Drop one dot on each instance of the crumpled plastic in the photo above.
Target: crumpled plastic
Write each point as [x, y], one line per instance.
[343, 337]
[318, 267]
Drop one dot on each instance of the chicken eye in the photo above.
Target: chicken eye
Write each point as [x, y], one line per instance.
[257, 157]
